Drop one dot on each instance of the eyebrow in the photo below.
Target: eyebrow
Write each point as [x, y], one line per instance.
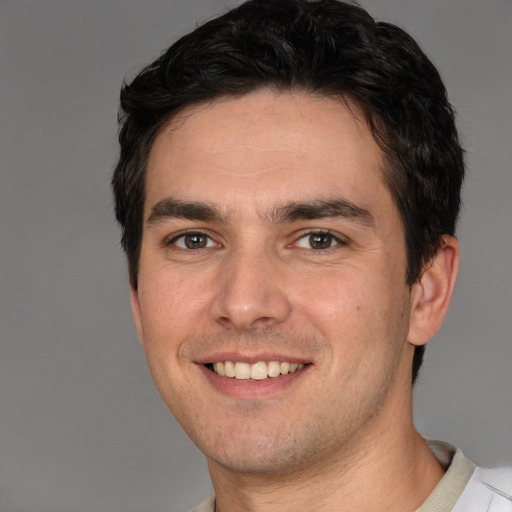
[319, 209]
[171, 208]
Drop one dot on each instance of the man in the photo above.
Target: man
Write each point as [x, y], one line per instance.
[288, 189]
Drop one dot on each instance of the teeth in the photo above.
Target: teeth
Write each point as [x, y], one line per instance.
[219, 369]
[273, 369]
[257, 371]
[242, 371]
[229, 368]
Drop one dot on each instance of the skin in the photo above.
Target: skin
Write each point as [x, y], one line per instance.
[339, 433]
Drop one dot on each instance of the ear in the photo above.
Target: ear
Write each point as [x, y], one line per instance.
[134, 299]
[432, 293]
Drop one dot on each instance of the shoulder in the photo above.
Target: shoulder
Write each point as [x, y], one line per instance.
[501, 478]
[488, 490]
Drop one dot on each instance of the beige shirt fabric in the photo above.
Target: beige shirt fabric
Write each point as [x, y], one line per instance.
[450, 487]
[444, 497]
[206, 506]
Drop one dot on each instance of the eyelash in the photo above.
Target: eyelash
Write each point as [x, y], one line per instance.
[333, 239]
[174, 240]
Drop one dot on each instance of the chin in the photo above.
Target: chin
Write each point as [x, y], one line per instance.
[266, 465]
[263, 455]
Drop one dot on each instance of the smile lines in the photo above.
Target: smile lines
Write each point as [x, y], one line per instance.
[256, 371]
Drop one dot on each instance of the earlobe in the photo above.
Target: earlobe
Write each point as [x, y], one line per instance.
[432, 293]
[135, 303]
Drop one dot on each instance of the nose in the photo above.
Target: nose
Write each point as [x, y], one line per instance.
[251, 293]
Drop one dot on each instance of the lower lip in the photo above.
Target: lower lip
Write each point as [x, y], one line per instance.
[252, 389]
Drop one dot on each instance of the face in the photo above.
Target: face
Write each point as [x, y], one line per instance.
[272, 302]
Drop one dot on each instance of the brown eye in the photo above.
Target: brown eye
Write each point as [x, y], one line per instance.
[192, 241]
[195, 241]
[321, 240]
[318, 241]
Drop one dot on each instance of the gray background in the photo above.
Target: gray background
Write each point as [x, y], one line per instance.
[81, 427]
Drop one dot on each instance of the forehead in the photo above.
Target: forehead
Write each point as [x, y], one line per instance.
[266, 147]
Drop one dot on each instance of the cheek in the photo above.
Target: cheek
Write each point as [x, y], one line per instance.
[357, 310]
[171, 311]
[170, 304]
[335, 300]
[167, 315]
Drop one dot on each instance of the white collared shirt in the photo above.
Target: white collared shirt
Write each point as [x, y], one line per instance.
[465, 487]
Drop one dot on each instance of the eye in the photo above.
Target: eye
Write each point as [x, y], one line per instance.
[192, 241]
[318, 240]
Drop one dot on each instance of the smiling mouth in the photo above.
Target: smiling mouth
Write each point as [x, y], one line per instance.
[257, 371]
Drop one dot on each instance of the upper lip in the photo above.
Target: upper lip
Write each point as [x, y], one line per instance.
[251, 358]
